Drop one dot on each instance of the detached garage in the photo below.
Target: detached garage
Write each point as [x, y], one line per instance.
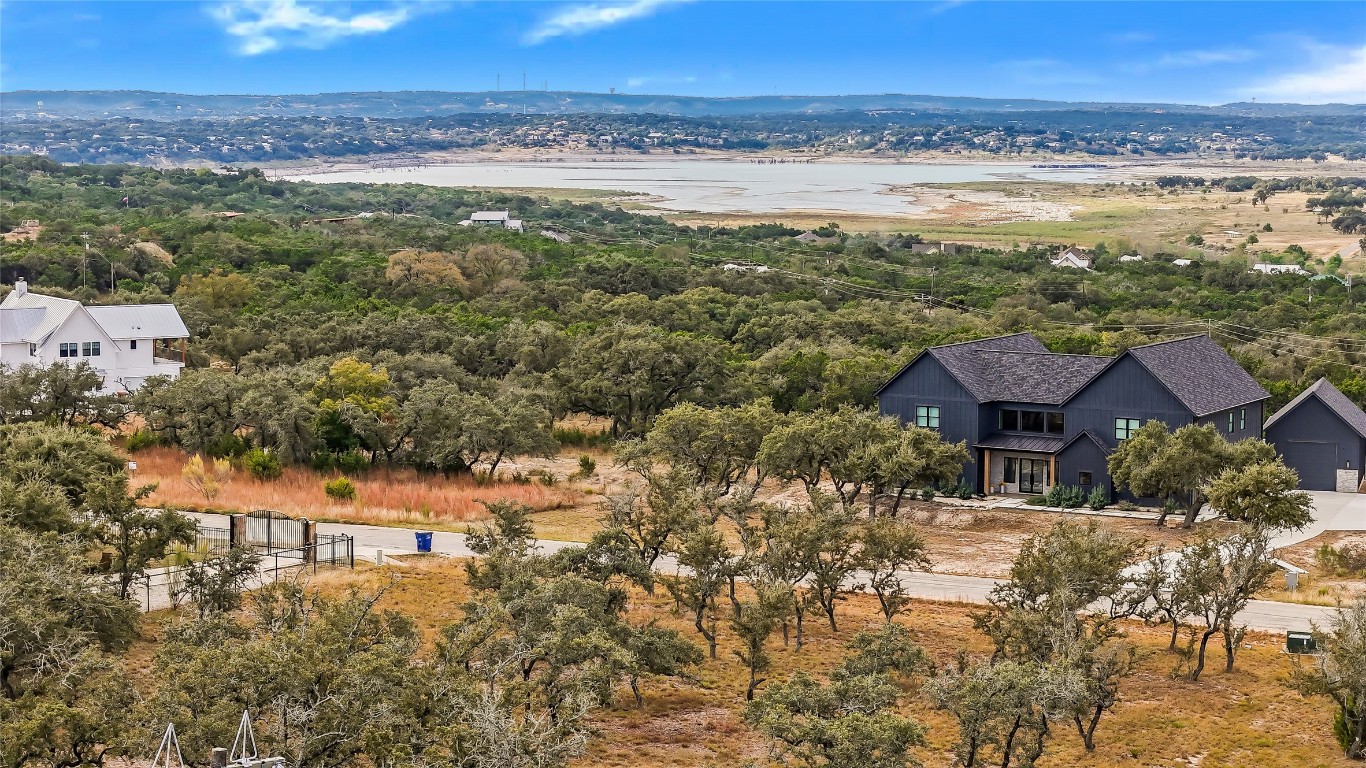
[1321, 434]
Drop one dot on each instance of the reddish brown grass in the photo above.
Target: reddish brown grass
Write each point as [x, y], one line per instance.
[385, 496]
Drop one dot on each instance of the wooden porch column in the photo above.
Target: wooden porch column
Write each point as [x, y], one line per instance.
[986, 470]
[1052, 469]
[184, 346]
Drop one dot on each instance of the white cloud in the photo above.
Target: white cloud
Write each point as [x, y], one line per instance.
[640, 81]
[261, 26]
[1337, 75]
[1200, 58]
[579, 19]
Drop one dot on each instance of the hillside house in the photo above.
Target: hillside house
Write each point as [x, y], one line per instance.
[1321, 434]
[948, 249]
[1072, 258]
[1279, 269]
[493, 219]
[1032, 418]
[125, 344]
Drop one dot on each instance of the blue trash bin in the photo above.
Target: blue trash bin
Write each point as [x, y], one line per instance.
[424, 541]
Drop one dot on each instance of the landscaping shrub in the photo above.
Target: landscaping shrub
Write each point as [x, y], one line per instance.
[1037, 501]
[964, 490]
[340, 489]
[262, 465]
[927, 494]
[1065, 496]
[1098, 499]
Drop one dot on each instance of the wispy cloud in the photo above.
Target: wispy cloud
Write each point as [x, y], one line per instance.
[640, 81]
[1337, 74]
[579, 19]
[261, 26]
[1201, 58]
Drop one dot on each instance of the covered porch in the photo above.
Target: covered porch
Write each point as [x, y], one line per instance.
[1019, 464]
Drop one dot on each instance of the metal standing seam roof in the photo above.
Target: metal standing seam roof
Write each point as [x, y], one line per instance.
[140, 321]
[1200, 374]
[17, 324]
[54, 311]
[1030, 443]
[1340, 404]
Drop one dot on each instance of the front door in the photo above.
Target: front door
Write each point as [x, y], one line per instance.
[1033, 475]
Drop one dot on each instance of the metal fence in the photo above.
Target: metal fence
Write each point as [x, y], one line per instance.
[273, 530]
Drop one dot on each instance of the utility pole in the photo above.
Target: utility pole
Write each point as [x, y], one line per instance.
[524, 79]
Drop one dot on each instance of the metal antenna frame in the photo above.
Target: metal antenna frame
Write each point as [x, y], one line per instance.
[169, 741]
[246, 738]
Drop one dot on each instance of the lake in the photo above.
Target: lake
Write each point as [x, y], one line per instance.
[725, 186]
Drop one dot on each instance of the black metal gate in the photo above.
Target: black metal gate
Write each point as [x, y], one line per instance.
[273, 530]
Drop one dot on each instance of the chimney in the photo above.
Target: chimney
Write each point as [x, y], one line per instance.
[20, 287]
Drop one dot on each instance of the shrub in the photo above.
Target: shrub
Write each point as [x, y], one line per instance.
[578, 438]
[1126, 505]
[227, 447]
[340, 489]
[352, 462]
[143, 438]
[1098, 499]
[927, 494]
[545, 477]
[964, 490]
[1037, 501]
[322, 461]
[262, 465]
[1065, 496]
[1347, 560]
[587, 466]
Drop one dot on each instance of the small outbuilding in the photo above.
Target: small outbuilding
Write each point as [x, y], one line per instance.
[1321, 434]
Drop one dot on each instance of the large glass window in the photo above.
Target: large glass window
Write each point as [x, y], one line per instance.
[67, 349]
[1010, 420]
[1031, 421]
[927, 416]
[90, 349]
[1125, 428]
[1009, 476]
[1054, 420]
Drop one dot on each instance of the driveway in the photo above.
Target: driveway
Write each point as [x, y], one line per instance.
[1332, 512]
[1262, 615]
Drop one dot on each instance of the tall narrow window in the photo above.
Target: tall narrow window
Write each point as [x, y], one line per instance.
[1242, 418]
[1009, 475]
[1230, 421]
[927, 416]
[132, 343]
[1125, 428]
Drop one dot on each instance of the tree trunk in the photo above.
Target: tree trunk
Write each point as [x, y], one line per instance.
[1088, 731]
[702, 629]
[799, 611]
[1192, 510]
[1009, 743]
[1176, 627]
[1200, 657]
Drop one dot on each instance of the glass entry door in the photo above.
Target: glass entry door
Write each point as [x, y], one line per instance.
[1033, 475]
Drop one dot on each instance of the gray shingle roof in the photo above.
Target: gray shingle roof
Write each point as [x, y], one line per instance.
[1022, 342]
[1200, 374]
[1338, 403]
[1018, 375]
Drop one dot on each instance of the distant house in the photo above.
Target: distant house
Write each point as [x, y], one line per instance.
[1182, 262]
[558, 237]
[808, 237]
[493, 219]
[1279, 269]
[759, 268]
[1033, 419]
[948, 249]
[1321, 434]
[125, 343]
[28, 229]
[1072, 258]
[514, 225]
[1130, 258]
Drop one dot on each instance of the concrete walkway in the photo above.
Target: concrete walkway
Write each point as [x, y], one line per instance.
[1332, 512]
[1260, 615]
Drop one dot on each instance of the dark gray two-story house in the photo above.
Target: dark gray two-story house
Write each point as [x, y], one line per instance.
[1033, 418]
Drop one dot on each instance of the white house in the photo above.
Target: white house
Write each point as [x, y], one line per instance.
[1182, 262]
[1279, 269]
[1130, 258]
[125, 344]
[1073, 258]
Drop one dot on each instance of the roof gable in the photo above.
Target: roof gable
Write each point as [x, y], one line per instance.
[140, 321]
[1199, 373]
[55, 312]
[1333, 399]
[1024, 342]
[1019, 376]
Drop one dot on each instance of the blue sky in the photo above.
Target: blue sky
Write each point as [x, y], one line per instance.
[1204, 53]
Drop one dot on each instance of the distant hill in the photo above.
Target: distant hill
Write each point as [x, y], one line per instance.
[171, 106]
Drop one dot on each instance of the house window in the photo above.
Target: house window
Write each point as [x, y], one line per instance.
[1083, 478]
[1009, 476]
[1242, 418]
[90, 349]
[1010, 420]
[1031, 421]
[1230, 421]
[67, 349]
[133, 344]
[1054, 425]
[927, 416]
[1125, 428]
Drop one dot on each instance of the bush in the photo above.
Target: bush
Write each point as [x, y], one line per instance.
[227, 447]
[1098, 499]
[352, 462]
[545, 477]
[578, 438]
[143, 438]
[1037, 501]
[964, 490]
[340, 489]
[587, 466]
[262, 465]
[1347, 560]
[927, 494]
[1065, 496]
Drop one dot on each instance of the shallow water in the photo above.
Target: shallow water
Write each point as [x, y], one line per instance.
[717, 186]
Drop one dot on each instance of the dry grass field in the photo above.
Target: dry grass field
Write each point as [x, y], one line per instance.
[1246, 719]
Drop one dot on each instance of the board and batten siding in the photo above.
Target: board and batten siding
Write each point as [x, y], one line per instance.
[1125, 390]
[927, 382]
[1083, 455]
[1312, 436]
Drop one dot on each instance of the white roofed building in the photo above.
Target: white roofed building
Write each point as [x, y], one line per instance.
[125, 344]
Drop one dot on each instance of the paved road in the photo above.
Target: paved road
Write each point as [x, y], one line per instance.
[1261, 615]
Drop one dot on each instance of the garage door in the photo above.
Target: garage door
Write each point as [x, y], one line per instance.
[1316, 462]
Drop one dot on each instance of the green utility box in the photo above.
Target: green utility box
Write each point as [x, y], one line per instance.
[1299, 642]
